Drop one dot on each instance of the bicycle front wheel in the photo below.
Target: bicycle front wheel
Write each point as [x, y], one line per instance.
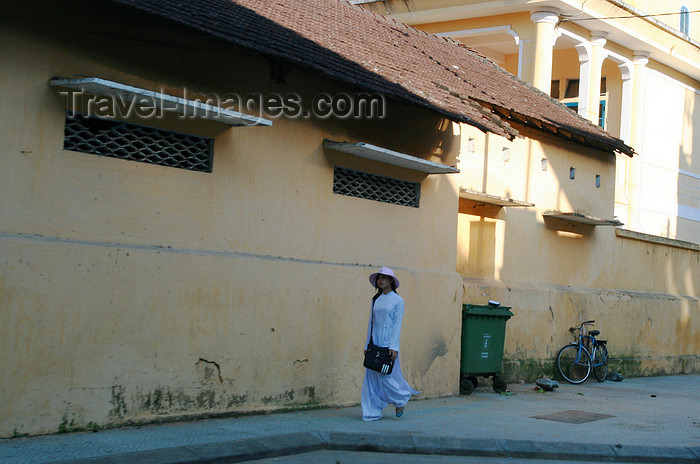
[600, 362]
[574, 364]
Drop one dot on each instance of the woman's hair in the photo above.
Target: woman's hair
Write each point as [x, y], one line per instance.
[379, 291]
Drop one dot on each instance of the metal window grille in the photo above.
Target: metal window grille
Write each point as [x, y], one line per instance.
[378, 188]
[124, 140]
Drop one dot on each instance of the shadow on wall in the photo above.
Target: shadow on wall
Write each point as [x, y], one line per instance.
[403, 128]
[688, 212]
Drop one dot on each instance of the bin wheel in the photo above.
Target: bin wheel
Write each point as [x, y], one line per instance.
[467, 385]
[499, 384]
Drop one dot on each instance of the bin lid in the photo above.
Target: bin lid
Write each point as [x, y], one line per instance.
[486, 310]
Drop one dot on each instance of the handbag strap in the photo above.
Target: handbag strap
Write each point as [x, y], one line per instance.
[371, 322]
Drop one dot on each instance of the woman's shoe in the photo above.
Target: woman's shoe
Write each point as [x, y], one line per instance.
[399, 411]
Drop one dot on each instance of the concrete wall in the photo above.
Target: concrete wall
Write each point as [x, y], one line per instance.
[132, 292]
[642, 291]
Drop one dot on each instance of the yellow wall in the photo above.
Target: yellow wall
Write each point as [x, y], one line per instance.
[523, 178]
[641, 289]
[520, 24]
[662, 9]
[643, 294]
[417, 11]
[132, 292]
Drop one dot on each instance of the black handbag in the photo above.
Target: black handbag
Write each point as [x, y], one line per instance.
[377, 358]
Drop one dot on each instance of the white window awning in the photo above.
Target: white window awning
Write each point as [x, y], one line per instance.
[581, 218]
[384, 155]
[483, 197]
[151, 98]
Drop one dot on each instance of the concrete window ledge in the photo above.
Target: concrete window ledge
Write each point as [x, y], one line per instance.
[624, 233]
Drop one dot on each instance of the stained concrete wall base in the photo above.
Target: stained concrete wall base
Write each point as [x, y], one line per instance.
[648, 333]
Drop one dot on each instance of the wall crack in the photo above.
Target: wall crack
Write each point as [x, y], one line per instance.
[215, 364]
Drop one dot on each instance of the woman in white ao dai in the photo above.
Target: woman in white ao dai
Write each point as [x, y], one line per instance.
[380, 390]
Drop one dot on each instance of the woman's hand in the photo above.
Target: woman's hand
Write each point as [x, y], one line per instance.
[394, 354]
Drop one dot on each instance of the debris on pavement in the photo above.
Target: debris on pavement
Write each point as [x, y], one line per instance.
[547, 384]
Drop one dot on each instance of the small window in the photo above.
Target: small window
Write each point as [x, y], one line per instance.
[123, 140]
[554, 91]
[685, 21]
[571, 89]
[601, 114]
[373, 187]
[572, 173]
[505, 151]
[573, 105]
[597, 180]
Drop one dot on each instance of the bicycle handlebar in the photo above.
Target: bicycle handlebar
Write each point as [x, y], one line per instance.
[574, 329]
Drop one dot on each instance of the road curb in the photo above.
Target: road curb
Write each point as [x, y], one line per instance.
[304, 442]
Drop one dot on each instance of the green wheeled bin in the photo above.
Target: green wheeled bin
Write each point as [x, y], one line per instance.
[483, 336]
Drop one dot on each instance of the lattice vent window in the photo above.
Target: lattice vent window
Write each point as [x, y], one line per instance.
[378, 188]
[123, 140]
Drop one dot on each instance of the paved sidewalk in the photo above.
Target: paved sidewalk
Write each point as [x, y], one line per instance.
[654, 419]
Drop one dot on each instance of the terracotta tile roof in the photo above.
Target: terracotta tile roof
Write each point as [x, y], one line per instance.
[351, 44]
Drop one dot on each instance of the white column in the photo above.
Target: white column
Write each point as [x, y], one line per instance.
[545, 22]
[598, 54]
[640, 61]
[584, 59]
[634, 179]
[627, 71]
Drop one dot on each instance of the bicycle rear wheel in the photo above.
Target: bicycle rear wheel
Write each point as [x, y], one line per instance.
[574, 364]
[600, 362]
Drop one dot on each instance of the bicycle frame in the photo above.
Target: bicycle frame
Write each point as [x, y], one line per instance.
[591, 344]
[581, 348]
[585, 354]
[589, 341]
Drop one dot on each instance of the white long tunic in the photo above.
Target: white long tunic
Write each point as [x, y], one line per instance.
[379, 390]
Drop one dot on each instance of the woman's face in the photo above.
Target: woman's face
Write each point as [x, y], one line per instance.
[384, 282]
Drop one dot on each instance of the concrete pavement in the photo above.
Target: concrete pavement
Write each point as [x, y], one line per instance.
[653, 419]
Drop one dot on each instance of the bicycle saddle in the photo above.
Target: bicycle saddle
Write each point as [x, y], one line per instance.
[594, 333]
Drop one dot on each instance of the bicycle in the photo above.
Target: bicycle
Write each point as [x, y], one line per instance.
[576, 360]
